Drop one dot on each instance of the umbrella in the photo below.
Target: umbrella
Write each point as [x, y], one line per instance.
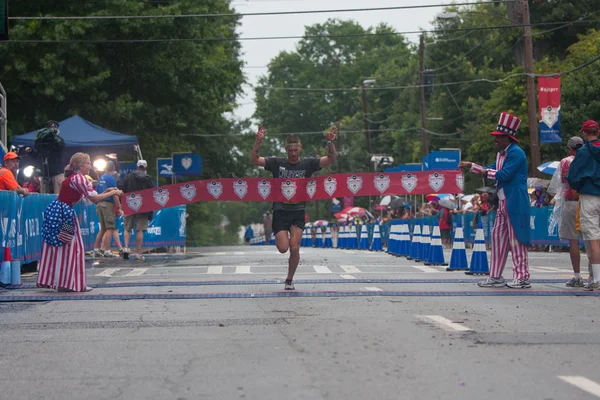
[468, 198]
[320, 223]
[432, 197]
[353, 211]
[387, 200]
[448, 203]
[549, 167]
[381, 207]
[397, 203]
[486, 189]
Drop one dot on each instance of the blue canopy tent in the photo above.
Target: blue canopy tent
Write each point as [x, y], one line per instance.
[82, 135]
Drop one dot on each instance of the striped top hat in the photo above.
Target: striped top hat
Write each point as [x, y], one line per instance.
[508, 125]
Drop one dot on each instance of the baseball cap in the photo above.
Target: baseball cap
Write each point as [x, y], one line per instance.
[11, 155]
[574, 142]
[142, 163]
[589, 124]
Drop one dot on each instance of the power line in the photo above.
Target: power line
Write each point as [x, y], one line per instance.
[346, 10]
[227, 39]
[435, 84]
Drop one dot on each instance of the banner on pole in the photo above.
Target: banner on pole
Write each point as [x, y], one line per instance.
[549, 103]
[293, 190]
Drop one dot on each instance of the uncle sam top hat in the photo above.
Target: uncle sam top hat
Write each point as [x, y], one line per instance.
[508, 125]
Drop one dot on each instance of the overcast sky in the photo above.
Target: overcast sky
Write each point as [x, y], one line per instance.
[259, 53]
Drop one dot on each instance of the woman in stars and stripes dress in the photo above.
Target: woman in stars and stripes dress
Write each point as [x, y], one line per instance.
[62, 265]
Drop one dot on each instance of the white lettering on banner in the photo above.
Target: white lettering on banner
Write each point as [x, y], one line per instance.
[161, 196]
[215, 189]
[311, 188]
[448, 160]
[264, 188]
[85, 231]
[182, 223]
[188, 191]
[134, 201]
[154, 230]
[92, 228]
[532, 222]
[436, 181]
[330, 185]
[354, 183]
[382, 182]
[19, 240]
[240, 188]
[549, 90]
[409, 182]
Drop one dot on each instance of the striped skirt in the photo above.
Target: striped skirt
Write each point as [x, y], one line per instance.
[63, 266]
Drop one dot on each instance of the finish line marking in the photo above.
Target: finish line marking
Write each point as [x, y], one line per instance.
[267, 295]
[444, 323]
[280, 281]
[583, 383]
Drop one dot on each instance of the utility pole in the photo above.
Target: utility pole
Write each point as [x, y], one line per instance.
[3, 118]
[534, 142]
[339, 148]
[424, 137]
[366, 119]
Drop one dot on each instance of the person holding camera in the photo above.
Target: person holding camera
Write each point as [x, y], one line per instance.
[49, 147]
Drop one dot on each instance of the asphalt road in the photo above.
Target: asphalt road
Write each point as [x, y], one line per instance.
[216, 324]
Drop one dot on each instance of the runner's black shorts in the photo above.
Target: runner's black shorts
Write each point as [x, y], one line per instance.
[284, 219]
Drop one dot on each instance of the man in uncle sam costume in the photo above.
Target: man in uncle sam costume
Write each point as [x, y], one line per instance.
[511, 229]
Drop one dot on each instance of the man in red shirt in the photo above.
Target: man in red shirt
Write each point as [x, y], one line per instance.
[8, 173]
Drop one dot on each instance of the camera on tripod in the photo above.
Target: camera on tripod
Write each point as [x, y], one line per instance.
[49, 145]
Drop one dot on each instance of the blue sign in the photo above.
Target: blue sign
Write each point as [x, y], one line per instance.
[187, 164]
[440, 160]
[405, 168]
[21, 225]
[165, 168]
[126, 168]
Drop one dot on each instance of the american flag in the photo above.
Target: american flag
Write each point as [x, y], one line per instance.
[66, 233]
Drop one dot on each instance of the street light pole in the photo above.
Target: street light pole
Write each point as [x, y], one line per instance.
[531, 100]
[366, 119]
[424, 137]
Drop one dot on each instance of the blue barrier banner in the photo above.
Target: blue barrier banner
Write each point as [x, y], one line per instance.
[21, 225]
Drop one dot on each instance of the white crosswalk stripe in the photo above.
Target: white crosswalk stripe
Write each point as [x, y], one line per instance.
[215, 269]
[242, 269]
[108, 272]
[137, 272]
[321, 269]
[351, 269]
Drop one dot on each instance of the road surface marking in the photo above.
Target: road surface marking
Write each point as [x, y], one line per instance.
[347, 277]
[238, 253]
[137, 272]
[242, 269]
[108, 272]
[321, 269]
[444, 323]
[373, 289]
[423, 268]
[583, 383]
[351, 269]
[215, 269]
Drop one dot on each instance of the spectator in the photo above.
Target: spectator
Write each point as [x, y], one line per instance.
[248, 235]
[268, 226]
[584, 177]
[134, 182]
[540, 197]
[8, 175]
[567, 202]
[107, 215]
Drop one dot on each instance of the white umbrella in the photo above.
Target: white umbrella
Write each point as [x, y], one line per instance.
[387, 200]
[468, 198]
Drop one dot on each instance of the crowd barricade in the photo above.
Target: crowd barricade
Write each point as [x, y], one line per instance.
[21, 225]
[543, 226]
